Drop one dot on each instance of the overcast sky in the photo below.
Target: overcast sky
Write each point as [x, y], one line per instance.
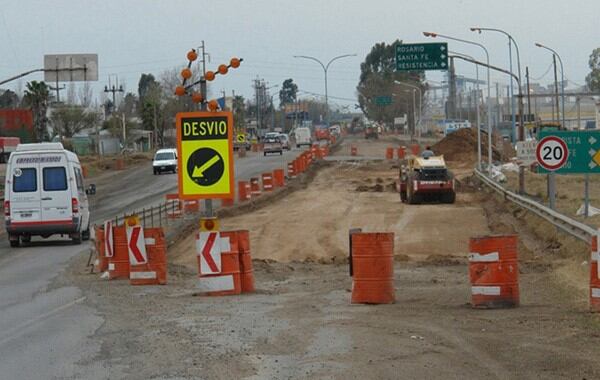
[150, 36]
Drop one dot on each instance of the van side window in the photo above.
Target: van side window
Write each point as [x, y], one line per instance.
[26, 182]
[79, 179]
[55, 179]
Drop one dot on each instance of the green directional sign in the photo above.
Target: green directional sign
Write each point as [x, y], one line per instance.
[383, 100]
[582, 151]
[427, 56]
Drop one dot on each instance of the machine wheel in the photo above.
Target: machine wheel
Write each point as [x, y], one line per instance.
[26, 239]
[403, 196]
[14, 243]
[449, 197]
[76, 238]
[85, 235]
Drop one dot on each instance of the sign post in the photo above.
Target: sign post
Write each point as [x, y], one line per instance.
[205, 155]
[423, 56]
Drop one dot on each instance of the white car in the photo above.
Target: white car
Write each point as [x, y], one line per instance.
[285, 141]
[303, 136]
[45, 194]
[165, 160]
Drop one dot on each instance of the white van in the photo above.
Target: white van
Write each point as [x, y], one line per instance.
[165, 160]
[44, 194]
[303, 136]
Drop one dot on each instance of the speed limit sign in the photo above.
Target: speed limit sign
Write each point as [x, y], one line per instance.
[552, 152]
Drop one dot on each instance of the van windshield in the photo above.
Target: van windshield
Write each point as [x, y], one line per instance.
[163, 156]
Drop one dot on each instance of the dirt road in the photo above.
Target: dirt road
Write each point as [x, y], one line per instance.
[300, 323]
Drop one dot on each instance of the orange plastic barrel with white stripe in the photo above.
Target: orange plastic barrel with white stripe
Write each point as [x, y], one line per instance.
[244, 191]
[389, 153]
[228, 281]
[254, 187]
[278, 178]
[175, 207]
[155, 271]
[372, 256]
[415, 149]
[594, 277]
[246, 270]
[291, 169]
[191, 206]
[267, 180]
[118, 264]
[401, 152]
[494, 271]
[101, 263]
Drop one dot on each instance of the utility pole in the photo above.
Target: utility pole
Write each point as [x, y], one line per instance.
[451, 102]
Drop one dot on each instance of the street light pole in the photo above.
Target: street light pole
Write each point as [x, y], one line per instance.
[489, 104]
[325, 70]
[521, 136]
[417, 126]
[562, 78]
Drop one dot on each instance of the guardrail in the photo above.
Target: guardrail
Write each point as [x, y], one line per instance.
[570, 226]
[155, 216]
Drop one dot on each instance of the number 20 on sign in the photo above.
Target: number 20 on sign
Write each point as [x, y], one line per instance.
[552, 153]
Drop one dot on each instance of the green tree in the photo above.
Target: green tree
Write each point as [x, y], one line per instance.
[239, 112]
[146, 82]
[150, 95]
[593, 78]
[37, 96]
[69, 120]
[377, 76]
[288, 92]
[9, 99]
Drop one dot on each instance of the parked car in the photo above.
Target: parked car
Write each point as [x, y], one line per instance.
[285, 141]
[303, 136]
[44, 194]
[272, 145]
[165, 160]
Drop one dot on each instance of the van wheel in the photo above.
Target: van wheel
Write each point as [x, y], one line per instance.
[26, 239]
[15, 241]
[85, 235]
[76, 238]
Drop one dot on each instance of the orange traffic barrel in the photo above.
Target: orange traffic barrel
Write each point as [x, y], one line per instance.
[494, 271]
[155, 271]
[101, 263]
[84, 171]
[401, 152]
[291, 169]
[227, 282]
[246, 271]
[389, 153]
[118, 264]
[243, 191]
[174, 208]
[372, 258]
[191, 206]
[119, 164]
[261, 147]
[353, 150]
[255, 147]
[254, 187]
[332, 140]
[279, 178]
[267, 180]
[324, 151]
[415, 149]
[300, 164]
[227, 202]
[594, 277]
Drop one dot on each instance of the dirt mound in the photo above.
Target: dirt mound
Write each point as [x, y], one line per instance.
[461, 147]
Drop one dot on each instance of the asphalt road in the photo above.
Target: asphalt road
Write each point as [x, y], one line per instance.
[46, 328]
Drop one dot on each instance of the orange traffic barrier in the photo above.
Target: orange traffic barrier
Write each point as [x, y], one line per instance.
[315, 152]
[227, 281]
[246, 271]
[254, 147]
[594, 277]
[389, 154]
[191, 206]
[372, 258]
[324, 151]
[415, 149]
[278, 178]
[244, 191]
[267, 180]
[494, 271]
[401, 152]
[291, 169]
[254, 187]
[101, 263]
[353, 150]
[226, 202]
[154, 272]
[174, 208]
[118, 264]
[84, 171]
[119, 164]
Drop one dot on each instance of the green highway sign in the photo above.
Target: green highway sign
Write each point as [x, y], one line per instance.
[568, 152]
[383, 100]
[427, 56]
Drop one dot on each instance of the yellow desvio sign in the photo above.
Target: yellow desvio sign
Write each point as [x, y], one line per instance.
[205, 154]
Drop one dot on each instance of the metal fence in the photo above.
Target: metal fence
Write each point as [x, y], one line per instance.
[572, 227]
[156, 216]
